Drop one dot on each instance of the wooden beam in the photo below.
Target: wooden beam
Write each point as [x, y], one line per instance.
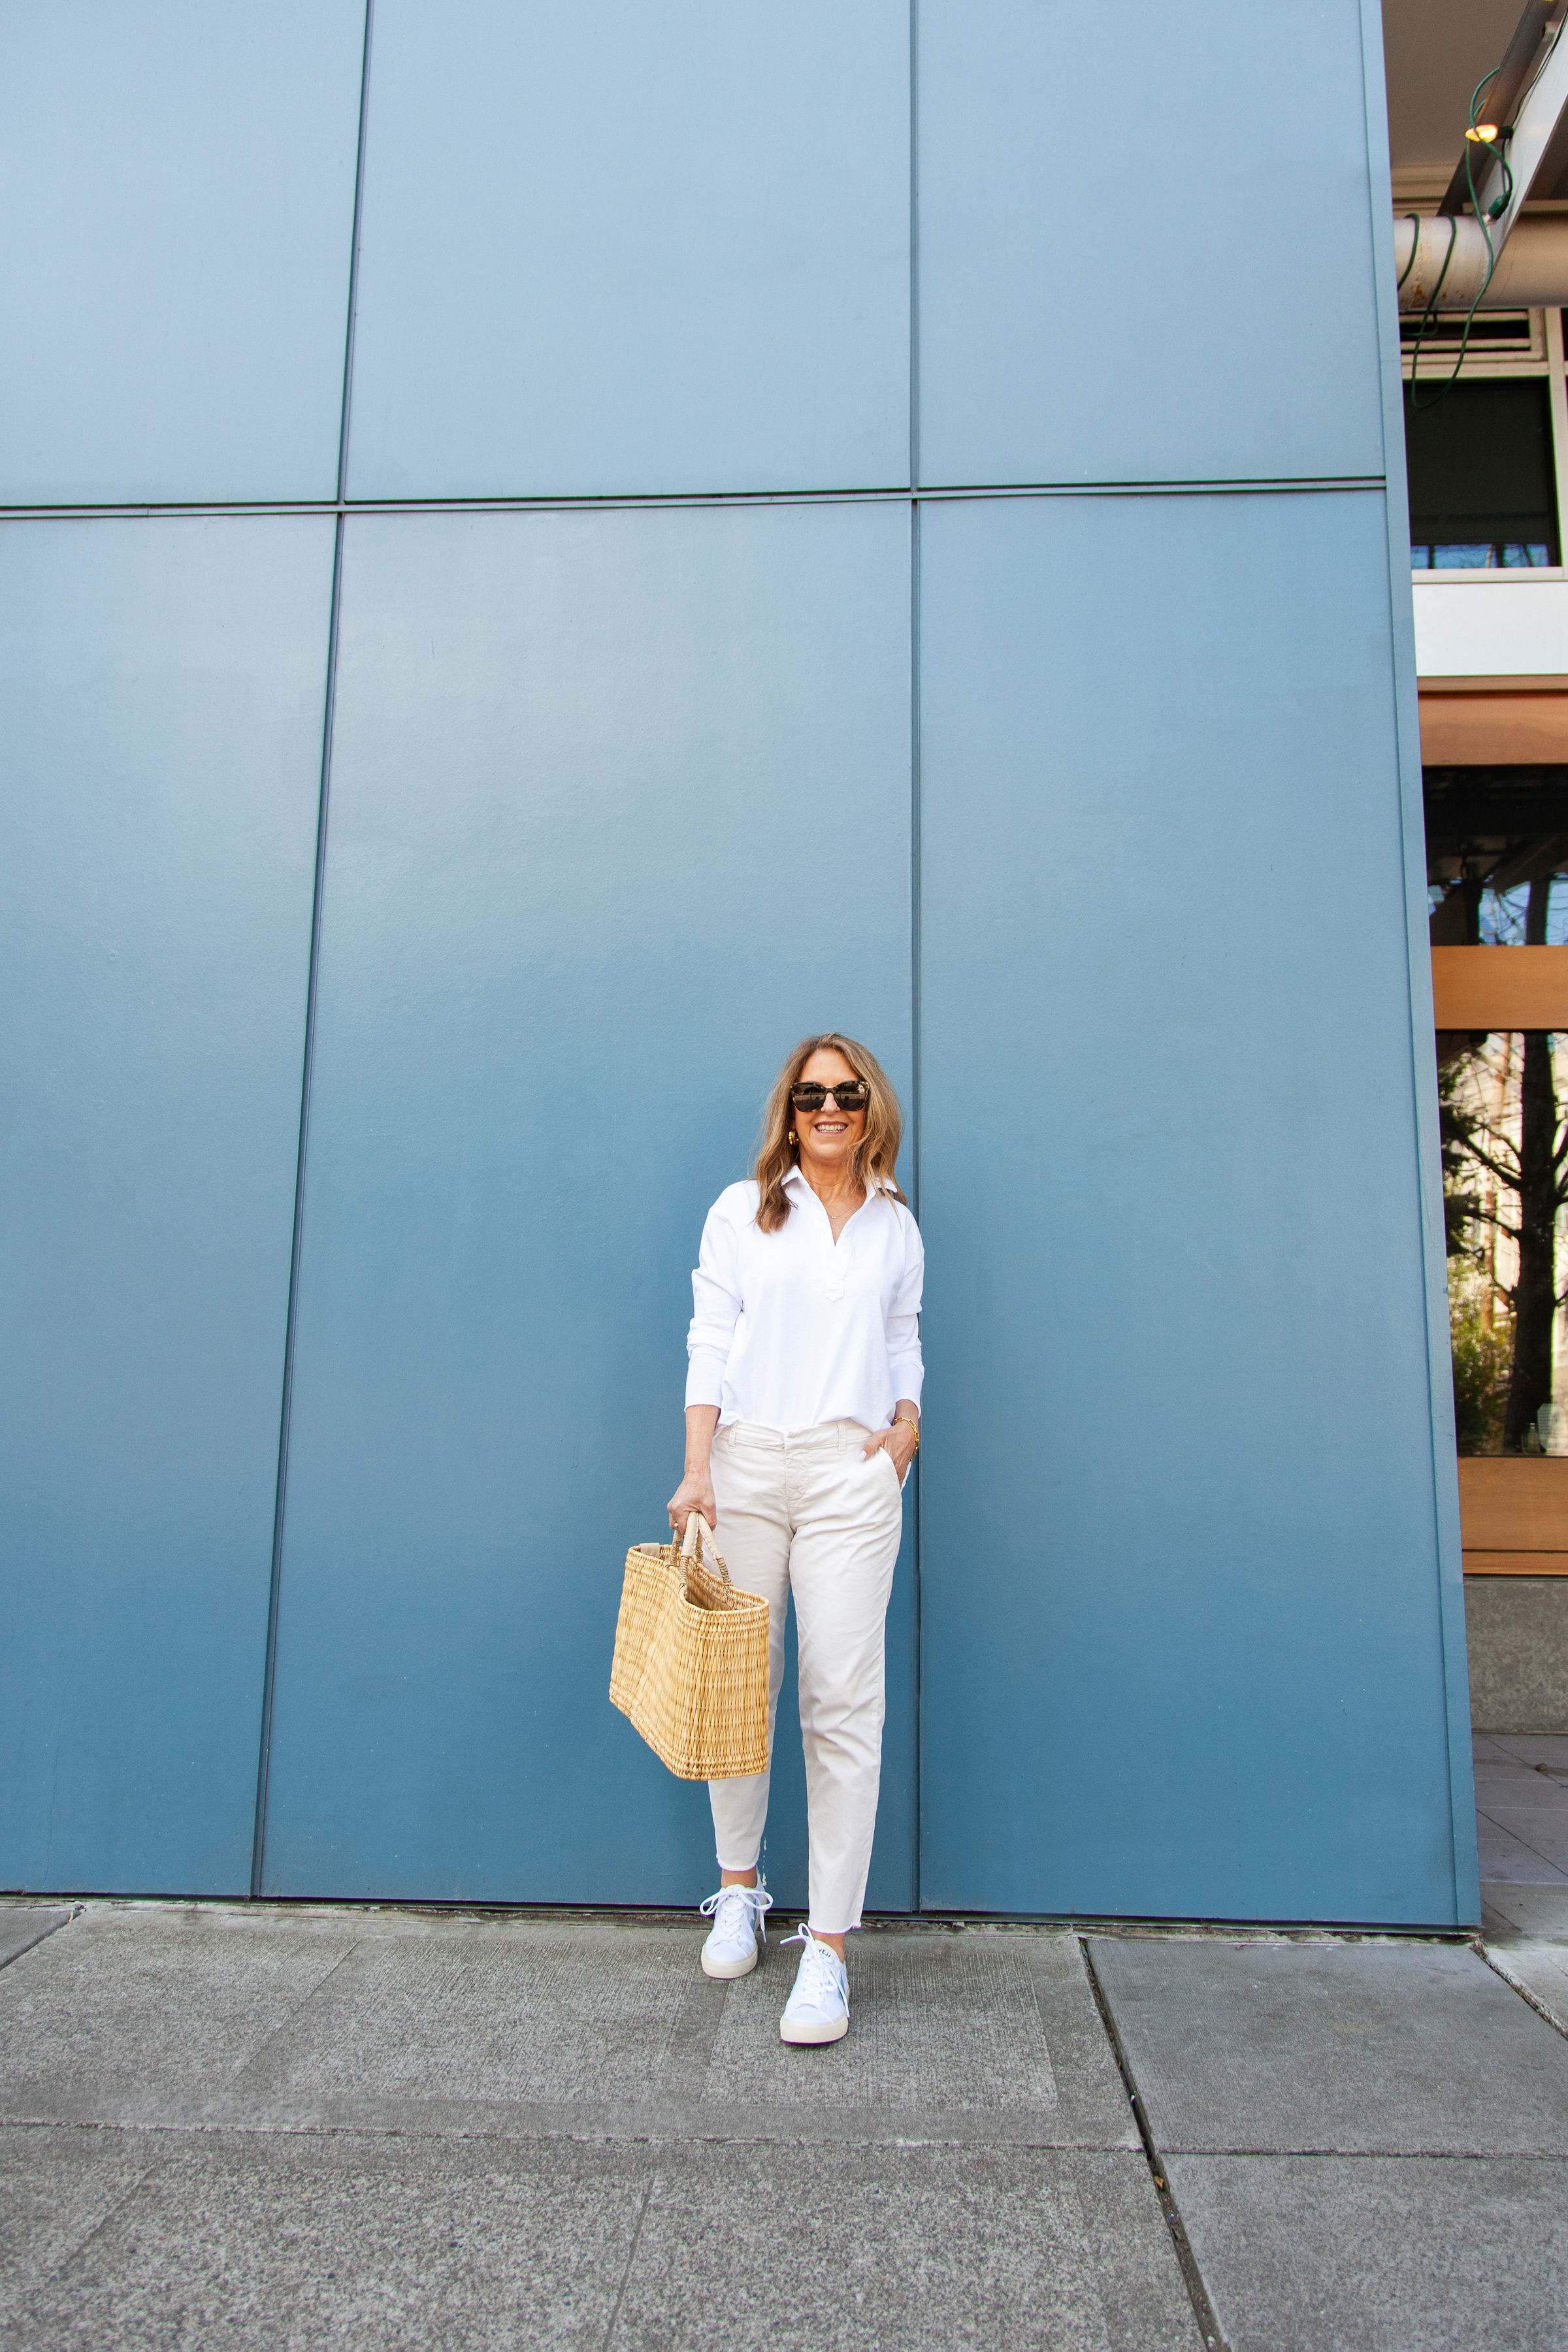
[1490, 722]
[1500, 988]
[1516, 1563]
[1514, 1505]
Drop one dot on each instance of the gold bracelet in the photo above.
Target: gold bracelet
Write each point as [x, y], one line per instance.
[902, 1420]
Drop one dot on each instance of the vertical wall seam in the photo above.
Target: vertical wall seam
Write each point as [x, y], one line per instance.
[917, 1513]
[914, 246]
[915, 1099]
[349, 335]
[1418, 971]
[329, 710]
[269, 1672]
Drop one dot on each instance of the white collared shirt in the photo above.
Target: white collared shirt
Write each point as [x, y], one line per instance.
[792, 1330]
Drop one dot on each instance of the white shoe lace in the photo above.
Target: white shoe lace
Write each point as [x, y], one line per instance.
[819, 1967]
[756, 1900]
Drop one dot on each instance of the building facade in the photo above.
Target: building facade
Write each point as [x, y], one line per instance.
[547, 554]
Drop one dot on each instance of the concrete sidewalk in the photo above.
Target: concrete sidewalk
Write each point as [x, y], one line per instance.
[226, 2125]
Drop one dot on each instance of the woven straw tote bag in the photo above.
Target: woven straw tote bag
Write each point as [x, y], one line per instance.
[691, 1659]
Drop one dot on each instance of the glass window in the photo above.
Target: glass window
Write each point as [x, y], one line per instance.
[1480, 466]
[1496, 839]
[1503, 1099]
[1482, 917]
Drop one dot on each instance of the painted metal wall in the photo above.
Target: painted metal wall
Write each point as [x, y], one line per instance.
[839, 596]
[163, 686]
[180, 184]
[1180, 1521]
[556, 924]
[615, 250]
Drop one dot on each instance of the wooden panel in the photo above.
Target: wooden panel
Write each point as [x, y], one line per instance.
[1514, 1502]
[1516, 1563]
[1493, 721]
[1500, 988]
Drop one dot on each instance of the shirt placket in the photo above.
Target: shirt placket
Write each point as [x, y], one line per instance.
[833, 1264]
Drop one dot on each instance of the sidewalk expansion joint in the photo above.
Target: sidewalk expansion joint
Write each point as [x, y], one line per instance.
[631, 2260]
[53, 1929]
[1514, 1985]
[1192, 2277]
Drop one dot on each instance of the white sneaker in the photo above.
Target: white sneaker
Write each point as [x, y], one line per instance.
[737, 1935]
[818, 2008]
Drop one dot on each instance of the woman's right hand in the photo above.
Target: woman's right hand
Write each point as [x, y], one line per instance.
[695, 1493]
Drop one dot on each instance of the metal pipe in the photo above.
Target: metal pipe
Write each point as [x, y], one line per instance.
[1532, 270]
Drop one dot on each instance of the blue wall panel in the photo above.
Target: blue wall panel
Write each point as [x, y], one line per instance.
[622, 803]
[1145, 243]
[620, 806]
[1180, 1612]
[162, 688]
[177, 184]
[622, 247]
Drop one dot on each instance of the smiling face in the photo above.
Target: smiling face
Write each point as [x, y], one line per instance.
[828, 1136]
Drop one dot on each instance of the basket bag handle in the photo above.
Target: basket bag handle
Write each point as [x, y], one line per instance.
[689, 1548]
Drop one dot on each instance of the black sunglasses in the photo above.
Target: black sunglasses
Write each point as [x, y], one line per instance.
[853, 1094]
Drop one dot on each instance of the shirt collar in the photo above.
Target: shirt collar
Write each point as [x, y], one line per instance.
[795, 1182]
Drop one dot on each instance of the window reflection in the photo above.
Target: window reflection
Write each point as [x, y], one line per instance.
[1482, 494]
[1497, 844]
[1494, 919]
[1505, 1184]
[1481, 555]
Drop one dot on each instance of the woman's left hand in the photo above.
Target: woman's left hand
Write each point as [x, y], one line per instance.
[900, 1442]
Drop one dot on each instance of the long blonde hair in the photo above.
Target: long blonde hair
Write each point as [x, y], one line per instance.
[876, 1154]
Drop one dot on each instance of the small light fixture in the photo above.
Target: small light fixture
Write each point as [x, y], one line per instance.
[1483, 133]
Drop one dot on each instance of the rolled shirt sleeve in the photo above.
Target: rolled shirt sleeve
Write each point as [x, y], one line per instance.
[716, 1308]
[905, 1362]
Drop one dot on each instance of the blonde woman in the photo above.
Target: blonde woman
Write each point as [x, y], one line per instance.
[802, 1419]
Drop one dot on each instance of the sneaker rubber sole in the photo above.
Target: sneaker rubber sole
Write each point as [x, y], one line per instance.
[812, 2036]
[728, 1970]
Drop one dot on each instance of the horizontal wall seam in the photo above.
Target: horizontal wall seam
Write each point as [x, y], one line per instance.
[125, 510]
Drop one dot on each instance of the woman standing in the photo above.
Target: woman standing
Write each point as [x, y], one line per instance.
[805, 1360]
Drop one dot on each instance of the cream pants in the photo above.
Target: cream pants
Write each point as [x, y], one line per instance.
[803, 1511]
